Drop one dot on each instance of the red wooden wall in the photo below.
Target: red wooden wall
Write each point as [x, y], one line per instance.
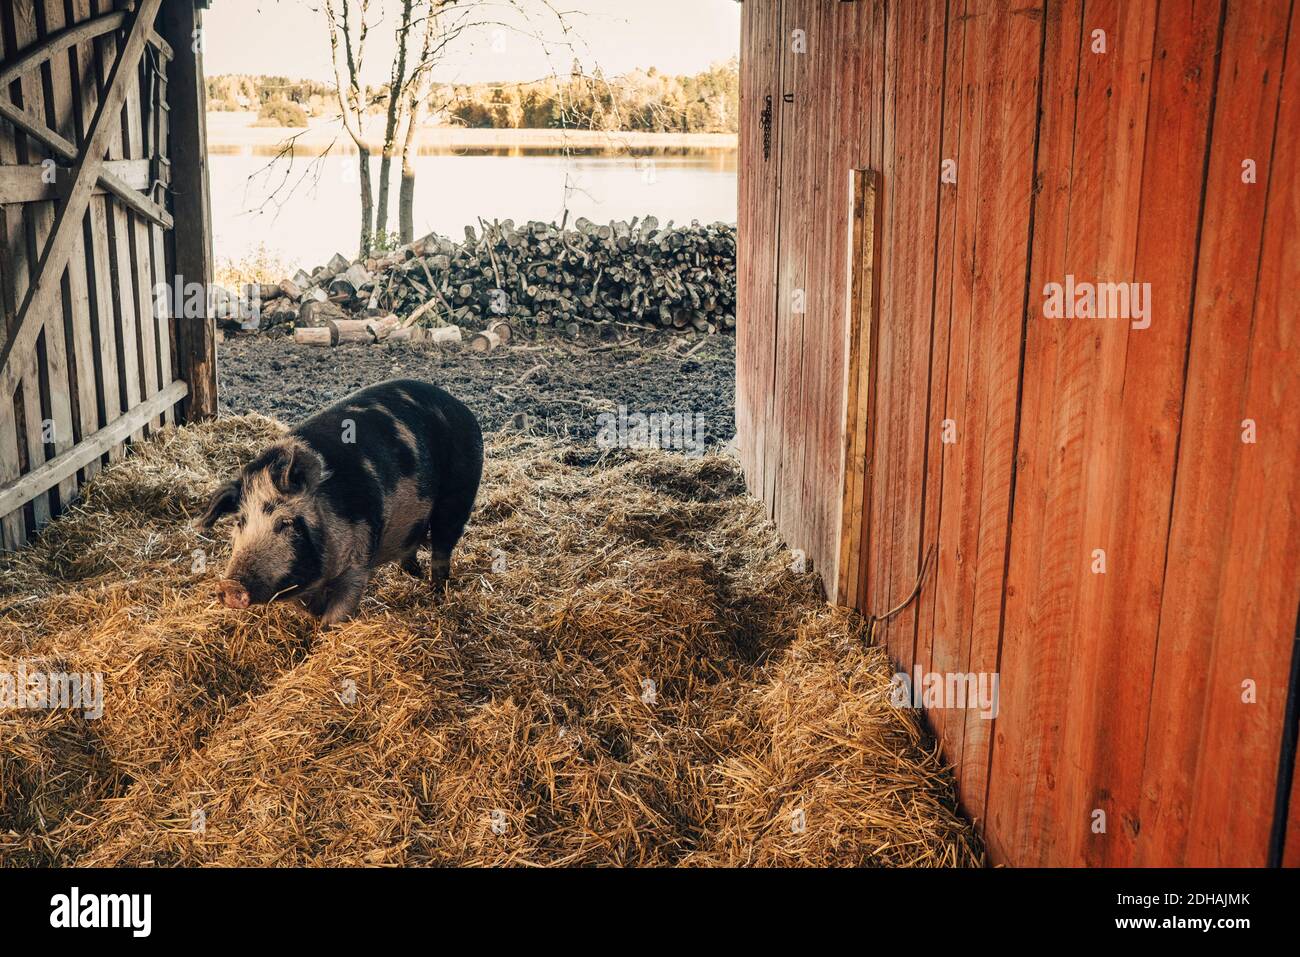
[1121, 691]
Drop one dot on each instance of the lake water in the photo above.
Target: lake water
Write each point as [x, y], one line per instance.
[306, 211]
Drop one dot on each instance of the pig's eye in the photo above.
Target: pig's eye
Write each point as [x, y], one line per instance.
[282, 524]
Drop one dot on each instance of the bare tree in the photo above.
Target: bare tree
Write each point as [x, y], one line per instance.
[440, 23]
[445, 22]
[347, 19]
[416, 93]
[396, 107]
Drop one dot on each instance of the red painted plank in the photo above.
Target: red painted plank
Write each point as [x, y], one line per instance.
[1002, 256]
[1022, 774]
[941, 309]
[1200, 653]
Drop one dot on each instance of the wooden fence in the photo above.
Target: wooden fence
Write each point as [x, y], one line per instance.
[101, 153]
[1100, 511]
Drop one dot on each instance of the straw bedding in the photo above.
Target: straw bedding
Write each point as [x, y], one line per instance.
[625, 672]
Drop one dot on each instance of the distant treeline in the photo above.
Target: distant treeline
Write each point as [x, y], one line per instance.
[643, 100]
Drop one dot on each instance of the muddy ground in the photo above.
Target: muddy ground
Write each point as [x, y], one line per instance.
[575, 382]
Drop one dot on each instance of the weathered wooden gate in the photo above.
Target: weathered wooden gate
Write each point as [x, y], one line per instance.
[101, 158]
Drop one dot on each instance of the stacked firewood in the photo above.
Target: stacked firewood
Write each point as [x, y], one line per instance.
[537, 274]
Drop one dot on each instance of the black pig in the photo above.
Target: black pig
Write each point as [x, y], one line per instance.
[362, 483]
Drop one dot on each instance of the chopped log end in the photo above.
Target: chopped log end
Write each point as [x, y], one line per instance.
[485, 341]
[350, 330]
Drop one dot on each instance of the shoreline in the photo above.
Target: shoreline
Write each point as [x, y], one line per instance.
[235, 134]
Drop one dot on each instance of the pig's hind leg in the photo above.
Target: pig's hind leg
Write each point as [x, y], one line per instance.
[446, 525]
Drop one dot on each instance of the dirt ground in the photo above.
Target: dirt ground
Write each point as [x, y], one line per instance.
[575, 384]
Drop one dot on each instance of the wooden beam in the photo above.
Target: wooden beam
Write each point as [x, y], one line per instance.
[34, 56]
[68, 220]
[56, 43]
[30, 183]
[18, 493]
[191, 247]
[859, 380]
[110, 181]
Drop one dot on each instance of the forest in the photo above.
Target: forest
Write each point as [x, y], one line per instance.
[641, 100]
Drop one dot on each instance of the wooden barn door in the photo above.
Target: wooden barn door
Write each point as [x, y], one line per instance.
[808, 117]
[88, 352]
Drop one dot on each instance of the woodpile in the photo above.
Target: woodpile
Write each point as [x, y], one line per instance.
[621, 274]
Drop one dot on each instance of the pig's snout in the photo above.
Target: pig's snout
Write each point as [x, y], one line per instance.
[232, 593]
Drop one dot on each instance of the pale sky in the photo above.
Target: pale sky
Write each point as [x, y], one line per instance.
[289, 38]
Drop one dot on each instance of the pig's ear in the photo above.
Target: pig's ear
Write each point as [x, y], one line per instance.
[296, 469]
[224, 501]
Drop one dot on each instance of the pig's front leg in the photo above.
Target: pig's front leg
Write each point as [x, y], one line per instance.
[345, 596]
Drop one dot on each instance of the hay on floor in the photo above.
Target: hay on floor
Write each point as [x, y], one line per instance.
[627, 671]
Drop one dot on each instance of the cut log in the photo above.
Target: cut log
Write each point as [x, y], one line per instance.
[442, 335]
[351, 330]
[485, 341]
[318, 336]
[409, 334]
[503, 330]
[382, 328]
[337, 264]
[315, 313]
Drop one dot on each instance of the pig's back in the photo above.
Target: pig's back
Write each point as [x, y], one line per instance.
[391, 450]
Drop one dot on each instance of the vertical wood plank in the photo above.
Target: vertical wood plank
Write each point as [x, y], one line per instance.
[1104, 715]
[81, 267]
[116, 264]
[784, 435]
[1028, 726]
[26, 92]
[100, 317]
[80, 264]
[959, 531]
[191, 259]
[158, 247]
[945, 256]
[757, 228]
[859, 419]
[1231, 570]
[1002, 251]
[919, 98]
[860, 253]
[13, 265]
[139, 250]
[822, 355]
[66, 350]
